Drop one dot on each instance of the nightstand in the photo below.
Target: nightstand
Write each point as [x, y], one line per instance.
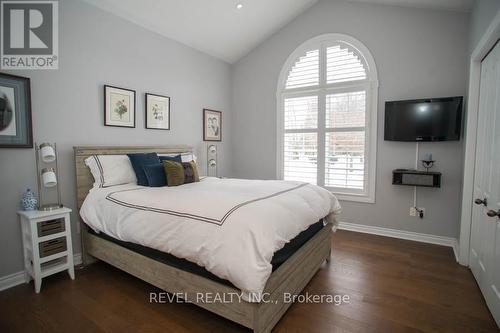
[47, 244]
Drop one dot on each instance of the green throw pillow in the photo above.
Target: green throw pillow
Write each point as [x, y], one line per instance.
[180, 173]
[174, 172]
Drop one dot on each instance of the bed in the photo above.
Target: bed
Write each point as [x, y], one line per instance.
[258, 313]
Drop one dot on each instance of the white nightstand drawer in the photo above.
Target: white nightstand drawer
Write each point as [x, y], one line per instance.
[50, 227]
[52, 246]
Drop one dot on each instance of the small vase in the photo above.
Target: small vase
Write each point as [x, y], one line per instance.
[29, 201]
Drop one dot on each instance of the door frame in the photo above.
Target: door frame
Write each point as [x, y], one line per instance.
[482, 48]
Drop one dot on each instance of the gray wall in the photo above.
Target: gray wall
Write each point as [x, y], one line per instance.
[419, 53]
[483, 13]
[98, 48]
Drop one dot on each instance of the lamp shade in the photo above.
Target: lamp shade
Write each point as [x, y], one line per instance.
[49, 178]
[47, 152]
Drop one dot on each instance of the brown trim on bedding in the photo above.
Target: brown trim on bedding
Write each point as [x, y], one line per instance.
[215, 221]
[101, 170]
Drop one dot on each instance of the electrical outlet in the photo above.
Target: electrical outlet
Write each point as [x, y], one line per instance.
[413, 211]
[417, 212]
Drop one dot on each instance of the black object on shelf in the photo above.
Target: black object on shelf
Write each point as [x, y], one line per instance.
[428, 164]
[416, 178]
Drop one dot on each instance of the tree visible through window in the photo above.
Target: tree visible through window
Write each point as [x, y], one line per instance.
[327, 117]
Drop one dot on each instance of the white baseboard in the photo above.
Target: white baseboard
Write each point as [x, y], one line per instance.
[15, 279]
[402, 234]
[11, 280]
[456, 251]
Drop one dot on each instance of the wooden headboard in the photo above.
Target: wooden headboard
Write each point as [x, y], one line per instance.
[85, 180]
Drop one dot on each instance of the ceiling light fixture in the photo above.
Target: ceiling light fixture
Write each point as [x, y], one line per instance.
[239, 6]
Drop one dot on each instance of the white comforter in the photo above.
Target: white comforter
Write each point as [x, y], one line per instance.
[232, 227]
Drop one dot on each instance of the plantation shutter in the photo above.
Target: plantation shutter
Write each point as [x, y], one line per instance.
[305, 72]
[343, 65]
[345, 140]
[324, 101]
[301, 145]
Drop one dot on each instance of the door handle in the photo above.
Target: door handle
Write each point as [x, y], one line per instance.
[481, 202]
[492, 213]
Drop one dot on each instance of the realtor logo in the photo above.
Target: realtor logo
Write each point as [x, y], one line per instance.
[29, 34]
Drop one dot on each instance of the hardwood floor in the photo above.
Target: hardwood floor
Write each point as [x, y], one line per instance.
[394, 286]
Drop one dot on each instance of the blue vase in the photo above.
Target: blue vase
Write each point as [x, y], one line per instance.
[29, 201]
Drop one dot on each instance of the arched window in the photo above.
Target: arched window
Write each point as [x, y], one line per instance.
[327, 117]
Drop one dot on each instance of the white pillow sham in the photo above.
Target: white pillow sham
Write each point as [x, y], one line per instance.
[185, 157]
[111, 170]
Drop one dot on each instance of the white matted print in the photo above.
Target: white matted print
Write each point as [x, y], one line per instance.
[157, 111]
[7, 111]
[119, 107]
[212, 125]
[15, 112]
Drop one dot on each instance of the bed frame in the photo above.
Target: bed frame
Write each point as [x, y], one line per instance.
[291, 277]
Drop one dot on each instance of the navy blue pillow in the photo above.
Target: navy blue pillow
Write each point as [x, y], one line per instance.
[155, 173]
[176, 158]
[139, 160]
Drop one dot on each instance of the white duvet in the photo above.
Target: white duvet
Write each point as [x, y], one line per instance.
[232, 227]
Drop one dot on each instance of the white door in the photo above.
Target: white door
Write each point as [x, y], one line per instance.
[485, 235]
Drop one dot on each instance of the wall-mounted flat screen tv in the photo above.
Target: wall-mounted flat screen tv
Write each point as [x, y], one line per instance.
[436, 119]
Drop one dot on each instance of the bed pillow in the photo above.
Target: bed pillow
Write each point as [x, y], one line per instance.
[176, 158]
[139, 160]
[180, 173]
[155, 174]
[188, 157]
[185, 157]
[191, 174]
[110, 170]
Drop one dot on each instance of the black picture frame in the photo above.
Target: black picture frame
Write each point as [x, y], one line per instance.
[146, 111]
[113, 123]
[17, 127]
[206, 137]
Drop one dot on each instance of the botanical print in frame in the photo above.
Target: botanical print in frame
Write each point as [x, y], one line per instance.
[119, 107]
[15, 112]
[212, 125]
[157, 112]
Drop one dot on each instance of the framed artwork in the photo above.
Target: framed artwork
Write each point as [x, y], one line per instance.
[212, 125]
[157, 112]
[15, 112]
[119, 107]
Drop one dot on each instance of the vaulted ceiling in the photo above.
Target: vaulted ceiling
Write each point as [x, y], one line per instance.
[229, 29]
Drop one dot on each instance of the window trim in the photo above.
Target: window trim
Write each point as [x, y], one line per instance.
[371, 86]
